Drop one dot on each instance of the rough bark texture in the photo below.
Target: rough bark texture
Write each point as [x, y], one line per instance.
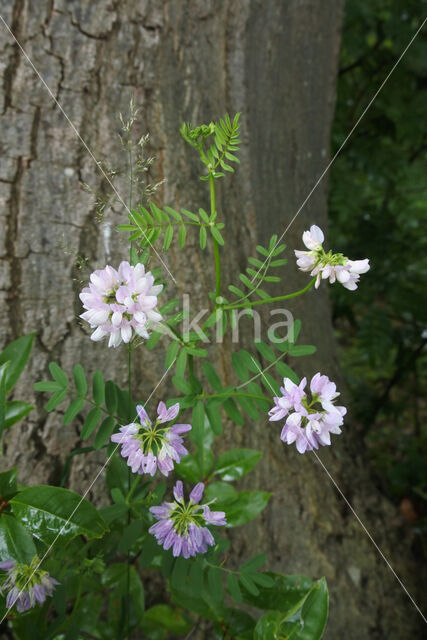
[186, 60]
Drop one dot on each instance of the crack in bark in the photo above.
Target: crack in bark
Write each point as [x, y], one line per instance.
[11, 68]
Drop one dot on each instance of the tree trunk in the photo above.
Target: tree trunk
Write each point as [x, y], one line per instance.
[189, 60]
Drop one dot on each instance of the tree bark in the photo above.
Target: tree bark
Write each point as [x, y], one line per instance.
[189, 60]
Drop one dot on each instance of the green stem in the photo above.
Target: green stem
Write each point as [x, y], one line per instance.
[203, 396]
[78, 597]
[132, 489]
[215, 243]
[129, 491]
[130, 175]
[250, 303]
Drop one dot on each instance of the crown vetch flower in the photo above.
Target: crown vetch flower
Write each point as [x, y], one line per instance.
[119, 303]
[26, 584]
[148, 446]
[309, 420]
[181, 525]
[332, 266]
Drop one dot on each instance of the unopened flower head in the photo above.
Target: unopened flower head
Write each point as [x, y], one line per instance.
[119, 303]
[330, 265]
[310, 419]
[149, 446]
[182, 525]
[26, 585]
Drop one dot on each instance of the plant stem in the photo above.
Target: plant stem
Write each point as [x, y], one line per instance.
[202, 396]
[129, 491]
[255, 303]
[132, 489]
[215, 243]
[130, 174]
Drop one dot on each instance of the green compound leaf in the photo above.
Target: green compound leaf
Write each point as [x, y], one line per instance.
[104, 432]
[92, 419]
[306, 620]
[212, 377]
[80, 380]
[161, 619]
[111, 397]
[48, 512]
[55, 400]
[98, 388]
[248, 506]
[15, 541]
[236, 463]
[254, 563]
[75, 407]
[58, 375]
[234, 588]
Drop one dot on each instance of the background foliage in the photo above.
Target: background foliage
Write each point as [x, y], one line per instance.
[378, 199]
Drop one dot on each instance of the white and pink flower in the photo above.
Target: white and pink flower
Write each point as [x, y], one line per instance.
[332, 266]
[121, 303]
[309, 420]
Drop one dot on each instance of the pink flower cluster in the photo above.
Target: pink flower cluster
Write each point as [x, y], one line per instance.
[119, 303]
[332, 266]
[149, 446]
[182, 526]
[309, 420]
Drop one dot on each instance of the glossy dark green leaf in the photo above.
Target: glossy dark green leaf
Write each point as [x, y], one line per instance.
[3, 370]
[48, 512]
[222, 492]
[247, 507]
[236, 463]
[314, 612]
[189, 470]
[287, 594]
[17, 353]
[8, 483]
[15, 541]
[15, 411]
